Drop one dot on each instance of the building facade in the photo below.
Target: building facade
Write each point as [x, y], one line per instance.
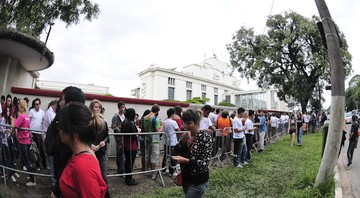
[211, 79]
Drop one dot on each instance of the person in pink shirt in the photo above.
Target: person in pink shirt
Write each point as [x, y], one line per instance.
[21, 124]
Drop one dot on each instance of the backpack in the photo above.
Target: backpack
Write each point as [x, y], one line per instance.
[34, 154]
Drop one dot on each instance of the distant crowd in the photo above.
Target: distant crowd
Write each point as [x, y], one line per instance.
[77, 137]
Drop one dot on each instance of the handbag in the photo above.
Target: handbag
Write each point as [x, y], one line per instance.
[179, 178]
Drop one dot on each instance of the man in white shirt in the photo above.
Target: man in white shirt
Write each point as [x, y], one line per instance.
[274, 122]
[170, 129]
[238, 136]
[36, 116]
[249, 134]
[205, 122]
[286, 122]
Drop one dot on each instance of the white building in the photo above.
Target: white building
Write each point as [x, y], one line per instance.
[59, 86]
[211, 79]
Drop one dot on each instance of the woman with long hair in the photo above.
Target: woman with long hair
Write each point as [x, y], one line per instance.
[101, 141]
[194, 152]
[78, 128]
[7, 143]
[21, 124]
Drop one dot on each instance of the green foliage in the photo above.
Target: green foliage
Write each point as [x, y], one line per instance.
[280, 171]
[197, 100]
[32, 16]
[108, 94]
[169, 100]
[227, 104]
[290, 57]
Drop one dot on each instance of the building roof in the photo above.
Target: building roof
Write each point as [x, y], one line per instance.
[32, 54]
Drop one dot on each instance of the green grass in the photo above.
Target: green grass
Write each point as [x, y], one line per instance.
[280, 171]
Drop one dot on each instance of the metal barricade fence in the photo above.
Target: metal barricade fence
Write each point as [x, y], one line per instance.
[12, 153]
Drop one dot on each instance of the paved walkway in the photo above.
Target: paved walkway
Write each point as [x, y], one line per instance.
[350, 179]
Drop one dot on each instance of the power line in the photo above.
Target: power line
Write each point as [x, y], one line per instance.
[272, 5]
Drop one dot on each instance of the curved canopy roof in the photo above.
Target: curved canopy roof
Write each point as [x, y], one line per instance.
[32, 54]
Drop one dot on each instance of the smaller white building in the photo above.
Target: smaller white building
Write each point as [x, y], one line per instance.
[59, 86]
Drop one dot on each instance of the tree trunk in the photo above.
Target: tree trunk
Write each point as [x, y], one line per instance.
[337, 97]
[303, 106]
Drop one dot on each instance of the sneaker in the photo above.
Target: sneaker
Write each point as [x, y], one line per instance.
[16, 175]
[13, 178]
[31, 183]
[174, 174]
[245, 163]
[38, 169]
[348, 166]
[24, 168]
[239, 166]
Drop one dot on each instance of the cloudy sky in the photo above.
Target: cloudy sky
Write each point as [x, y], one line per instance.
[130, 35]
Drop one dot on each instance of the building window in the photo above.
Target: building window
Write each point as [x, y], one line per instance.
[216, 90]
[189, 84]
[237, 100]
[203, 95]
[228, 98]
[203, 87]
[216, 100]
[188, 94]
[171, 81]
[171, 93]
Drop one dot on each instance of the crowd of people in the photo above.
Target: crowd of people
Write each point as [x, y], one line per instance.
[75, 144]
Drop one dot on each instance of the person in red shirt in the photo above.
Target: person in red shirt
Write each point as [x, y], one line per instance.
[78, 128]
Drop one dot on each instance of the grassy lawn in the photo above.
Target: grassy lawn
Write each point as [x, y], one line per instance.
[280, 171]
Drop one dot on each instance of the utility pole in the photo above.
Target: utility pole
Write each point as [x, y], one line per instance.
[332, 146]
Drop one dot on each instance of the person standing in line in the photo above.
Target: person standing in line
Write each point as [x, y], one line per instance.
[194, 151]
[78, 128]
[24, 137]
[142, 140]
[8, 143]
[99, 146]
[249, 134]
[151, 123]
[262, 130]
[223, 124]
[130, 144]
[37, 115]
[205, 122]
[50, 114]
[116, 124]
[238, 136]
[274, 121]
[170, 130]
[177, 119]
[292, 129]
[61, 152]
[353, 140]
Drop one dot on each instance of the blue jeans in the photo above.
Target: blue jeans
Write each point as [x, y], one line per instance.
[243, 153]
[51, 165]
[24, 152]
[192, 191]
[299, 136]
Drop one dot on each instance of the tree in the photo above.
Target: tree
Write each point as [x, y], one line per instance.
[290, 57]
[197, 100]
[226, 104]
[32, 16]
[352, 93]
